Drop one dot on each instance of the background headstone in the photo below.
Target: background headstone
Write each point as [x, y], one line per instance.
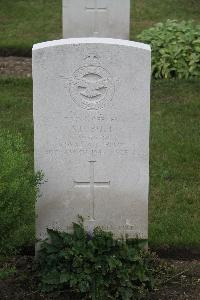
[96, 18]
[91, 134]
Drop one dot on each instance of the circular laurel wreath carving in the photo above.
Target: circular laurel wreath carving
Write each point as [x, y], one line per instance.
[91, 87]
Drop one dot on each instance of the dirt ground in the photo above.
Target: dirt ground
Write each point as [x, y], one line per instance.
[16, 66]
[184, 283]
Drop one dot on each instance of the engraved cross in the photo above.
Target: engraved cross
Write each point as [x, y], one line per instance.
[95, 8]
[92, 184]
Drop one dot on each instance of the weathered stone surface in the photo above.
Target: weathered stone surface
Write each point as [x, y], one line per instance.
[96, 18]
[91, 134]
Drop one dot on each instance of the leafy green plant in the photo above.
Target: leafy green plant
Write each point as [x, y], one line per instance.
[18, 188]
[6, 272]
[97, 266]
[175, 49]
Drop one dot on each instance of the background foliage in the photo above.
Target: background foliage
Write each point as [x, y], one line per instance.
[18, 187]
[175, 49]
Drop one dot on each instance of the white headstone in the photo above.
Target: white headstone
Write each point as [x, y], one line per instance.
[96, 18]
[91, 134]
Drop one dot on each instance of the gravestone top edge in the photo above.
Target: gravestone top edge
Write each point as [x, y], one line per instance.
[91, 40]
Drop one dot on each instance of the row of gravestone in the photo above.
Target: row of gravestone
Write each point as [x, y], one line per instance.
[91, 123]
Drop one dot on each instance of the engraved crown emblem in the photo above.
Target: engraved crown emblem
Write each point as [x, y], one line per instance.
[92, 59]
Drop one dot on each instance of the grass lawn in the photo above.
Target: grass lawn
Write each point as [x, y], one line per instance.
[175, 154]
[145, 13]
[25, 22]
[175, 163]
[16, 108]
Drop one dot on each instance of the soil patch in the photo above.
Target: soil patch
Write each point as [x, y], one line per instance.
[184, 283]
[16, 66]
